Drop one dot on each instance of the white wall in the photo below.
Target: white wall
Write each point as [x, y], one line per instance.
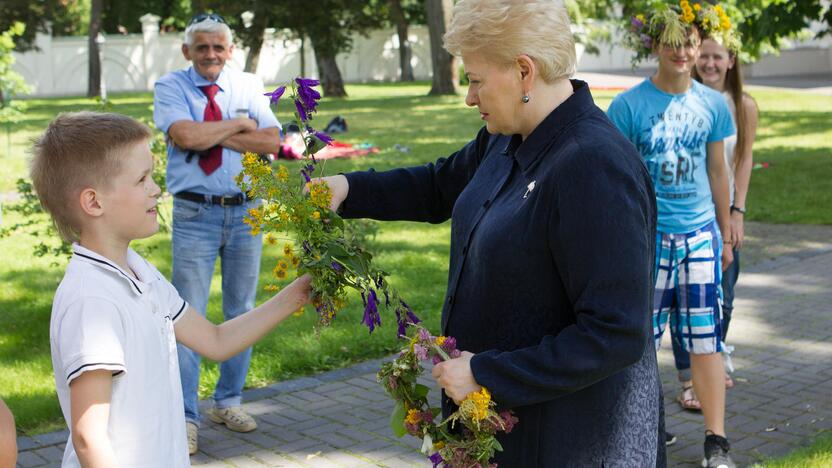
[134, 62]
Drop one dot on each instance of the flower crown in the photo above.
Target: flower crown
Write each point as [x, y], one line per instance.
[670, 25]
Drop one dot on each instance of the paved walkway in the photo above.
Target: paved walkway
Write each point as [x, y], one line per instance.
[783, 338]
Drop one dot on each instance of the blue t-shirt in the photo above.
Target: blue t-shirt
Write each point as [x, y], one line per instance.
[672, 132]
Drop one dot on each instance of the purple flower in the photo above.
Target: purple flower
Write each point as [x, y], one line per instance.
[424, 335]
[421, 352]
[647, 41]
[307, 248]
[306, 175]
[436, 359]
[636, 23]
[371, 315]
[436, 459]
[325, 139]
[337, 267]
[449, 344]
[307, 95]
[274, 96]
[455, 354]
[411, 317]
[302, 115]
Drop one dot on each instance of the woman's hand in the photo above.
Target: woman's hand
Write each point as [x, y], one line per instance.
[737, 230]
[340, 187]
[456, 378]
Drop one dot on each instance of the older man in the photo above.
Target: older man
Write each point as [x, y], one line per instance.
[211, 114]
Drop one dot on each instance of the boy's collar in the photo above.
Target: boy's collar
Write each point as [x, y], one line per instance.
[137, 264]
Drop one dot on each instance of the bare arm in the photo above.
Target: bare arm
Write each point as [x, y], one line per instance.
[8, 438]
[220, 342]
[263, 141]
[200, 136]
[718, 178]
[89, 397]
[742, 173]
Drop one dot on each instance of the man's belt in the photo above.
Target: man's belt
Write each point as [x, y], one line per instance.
[236, 200]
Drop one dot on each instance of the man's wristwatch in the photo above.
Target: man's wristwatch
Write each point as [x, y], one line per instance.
[737, 209]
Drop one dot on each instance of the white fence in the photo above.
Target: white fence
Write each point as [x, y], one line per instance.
[134, 62]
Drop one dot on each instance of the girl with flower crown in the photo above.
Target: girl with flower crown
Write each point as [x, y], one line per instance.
[680, 126]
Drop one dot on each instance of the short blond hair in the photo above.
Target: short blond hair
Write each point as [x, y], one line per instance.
[502, 30]
[79, 150]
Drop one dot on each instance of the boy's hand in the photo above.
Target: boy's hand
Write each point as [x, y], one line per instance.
[301, 289]
[456, 378]
[727, 256]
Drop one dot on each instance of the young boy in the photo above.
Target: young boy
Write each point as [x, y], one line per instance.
[115, 318]
[678, 125]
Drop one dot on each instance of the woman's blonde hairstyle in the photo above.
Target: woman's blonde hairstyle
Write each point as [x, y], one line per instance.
[502, 30]
[79, 150]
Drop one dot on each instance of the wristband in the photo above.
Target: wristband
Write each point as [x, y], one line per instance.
[737, 209]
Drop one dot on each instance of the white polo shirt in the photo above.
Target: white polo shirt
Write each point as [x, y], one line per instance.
[104, 318]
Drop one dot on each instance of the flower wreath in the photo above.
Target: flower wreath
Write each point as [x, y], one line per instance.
[670, 24]
[475, 443]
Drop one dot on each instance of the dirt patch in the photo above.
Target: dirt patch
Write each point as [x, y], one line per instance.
[765, 242]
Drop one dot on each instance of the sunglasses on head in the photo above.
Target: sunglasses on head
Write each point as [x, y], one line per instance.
[206, 16]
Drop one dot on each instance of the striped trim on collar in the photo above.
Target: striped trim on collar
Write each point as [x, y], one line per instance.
[137, 286]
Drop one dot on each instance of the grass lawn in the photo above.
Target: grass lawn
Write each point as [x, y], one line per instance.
[817, 455]
[795, 138]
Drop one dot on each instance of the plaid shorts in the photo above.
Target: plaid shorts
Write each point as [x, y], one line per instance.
[688, 289]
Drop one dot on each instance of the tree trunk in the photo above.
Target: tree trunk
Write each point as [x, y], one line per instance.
[445, 74]
[253, 57]
[94, 69]
[406, 69]
[331, 80]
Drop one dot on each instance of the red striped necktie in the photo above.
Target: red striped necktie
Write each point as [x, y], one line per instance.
[212, 158]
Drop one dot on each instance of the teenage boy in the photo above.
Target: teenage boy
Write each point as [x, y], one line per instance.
[678, 125]
[115, 319]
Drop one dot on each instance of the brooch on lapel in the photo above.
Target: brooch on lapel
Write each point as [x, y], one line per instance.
[529, 189]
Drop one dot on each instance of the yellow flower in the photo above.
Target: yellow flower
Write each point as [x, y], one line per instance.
[725, 23]
[719, 9]
[287, 249]
[482, 402]
[270, 239]
[641, 18]
[282, 174]
[316, 214]
[272, 287]
[282, 264]
[255, 230]
[280, 273]
[320, 194]
[439, 446]
[684, 4]
[298, 312]
[295, 261]
[440, 340]
[688, 18]
[413, 417]
[697, 6]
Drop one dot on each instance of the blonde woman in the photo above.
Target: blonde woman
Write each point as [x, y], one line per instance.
[552, 237]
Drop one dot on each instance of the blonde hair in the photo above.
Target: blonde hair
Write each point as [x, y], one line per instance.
[502, 30]
[79, 150]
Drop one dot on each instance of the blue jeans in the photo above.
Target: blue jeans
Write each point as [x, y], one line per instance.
[729, 280]
[201, 231]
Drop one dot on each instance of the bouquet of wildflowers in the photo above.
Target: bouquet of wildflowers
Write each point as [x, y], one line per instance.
[668, 24]
[471, 445]
[299, 204]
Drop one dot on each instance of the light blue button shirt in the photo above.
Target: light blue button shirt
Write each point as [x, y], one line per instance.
[177, 97]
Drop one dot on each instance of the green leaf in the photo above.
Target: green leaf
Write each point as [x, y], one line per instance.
[421, 391]
[397, 420]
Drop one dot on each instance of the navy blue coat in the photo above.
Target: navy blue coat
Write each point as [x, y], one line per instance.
[550, 280]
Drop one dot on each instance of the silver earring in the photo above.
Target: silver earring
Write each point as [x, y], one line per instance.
[525, 99]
